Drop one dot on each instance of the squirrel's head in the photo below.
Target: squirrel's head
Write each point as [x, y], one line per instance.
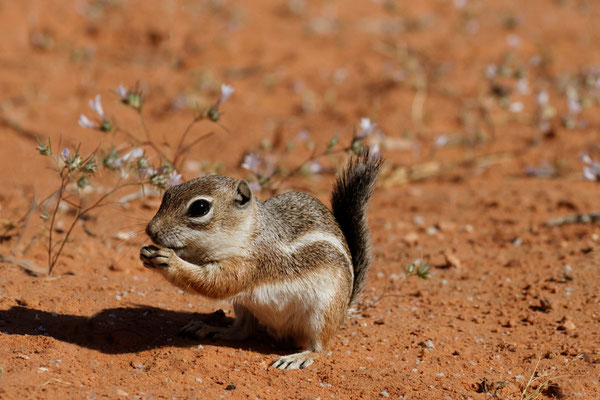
[205, 219]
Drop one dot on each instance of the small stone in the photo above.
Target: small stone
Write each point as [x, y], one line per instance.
[121, 392]
[411, 238]
[230, 387]
[510, 323]
[138, 365]
[418, 220]
[452, 260]
[468, 228]
[545, 305]
[566, 324]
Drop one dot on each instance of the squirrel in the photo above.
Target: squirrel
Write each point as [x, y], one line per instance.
[288, 263]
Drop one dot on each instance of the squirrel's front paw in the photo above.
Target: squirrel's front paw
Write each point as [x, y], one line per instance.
[153, 257]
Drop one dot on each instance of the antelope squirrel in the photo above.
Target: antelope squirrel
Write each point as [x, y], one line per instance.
[287, 263]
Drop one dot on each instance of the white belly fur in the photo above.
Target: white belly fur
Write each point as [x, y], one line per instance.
[293, 308]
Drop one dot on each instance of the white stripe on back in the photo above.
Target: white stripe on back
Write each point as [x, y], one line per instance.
[316, 237]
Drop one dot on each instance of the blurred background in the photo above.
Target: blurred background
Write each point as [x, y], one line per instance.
[485, 110]
[464, 75]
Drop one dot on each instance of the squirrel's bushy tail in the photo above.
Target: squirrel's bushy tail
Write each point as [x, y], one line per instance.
[349, 201]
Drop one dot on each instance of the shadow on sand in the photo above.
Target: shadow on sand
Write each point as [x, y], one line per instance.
[121, 330]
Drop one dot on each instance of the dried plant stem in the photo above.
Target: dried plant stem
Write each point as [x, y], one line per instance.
[182, 148]
[149, 140]
[417, 109]
[53, 256]
[52, 260]
[586, 218]
[531, 379]
[129, 135]
[314, 156]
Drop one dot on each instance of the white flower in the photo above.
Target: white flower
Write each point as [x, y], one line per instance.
[513, 40]
[96, 105]
[591, 174]
[490, 71]
[146, 173]
[315, 167]
[523, 86]
[543, 97]
[591, 171]
[226, 92]
[441, 141]
[254, 186]
[516, 107]
[251, 162]
[574, 105]
[586, 159]
[174, 179]
[304, 135]
[122, 92]
[84, 122]
[133, 154]
[366, 128]
[375, 151]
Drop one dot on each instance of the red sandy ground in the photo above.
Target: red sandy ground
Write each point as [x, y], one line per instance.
[105, 327]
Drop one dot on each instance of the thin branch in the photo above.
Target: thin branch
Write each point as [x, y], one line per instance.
[189, 147]
[149, 140]
[63, 184]
[182, 139]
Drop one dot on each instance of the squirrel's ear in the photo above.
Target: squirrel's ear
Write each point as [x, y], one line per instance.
[243, 193]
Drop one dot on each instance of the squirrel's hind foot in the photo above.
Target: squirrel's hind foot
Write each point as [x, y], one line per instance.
[295, 361]
[201, 330]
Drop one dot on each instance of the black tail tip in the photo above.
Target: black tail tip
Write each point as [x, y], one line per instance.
[370, 156]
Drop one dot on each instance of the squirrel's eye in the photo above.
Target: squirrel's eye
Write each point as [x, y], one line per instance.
[198, 208]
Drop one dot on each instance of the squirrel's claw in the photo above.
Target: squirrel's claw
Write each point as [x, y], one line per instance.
[198, 330]
[153, 257]
[201, 330]
[295, 361]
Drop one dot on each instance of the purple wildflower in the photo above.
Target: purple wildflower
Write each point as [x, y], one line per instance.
[65, 154]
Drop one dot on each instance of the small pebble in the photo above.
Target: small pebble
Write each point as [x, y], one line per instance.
[452, 260]
[411, 238]
[567, 325]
